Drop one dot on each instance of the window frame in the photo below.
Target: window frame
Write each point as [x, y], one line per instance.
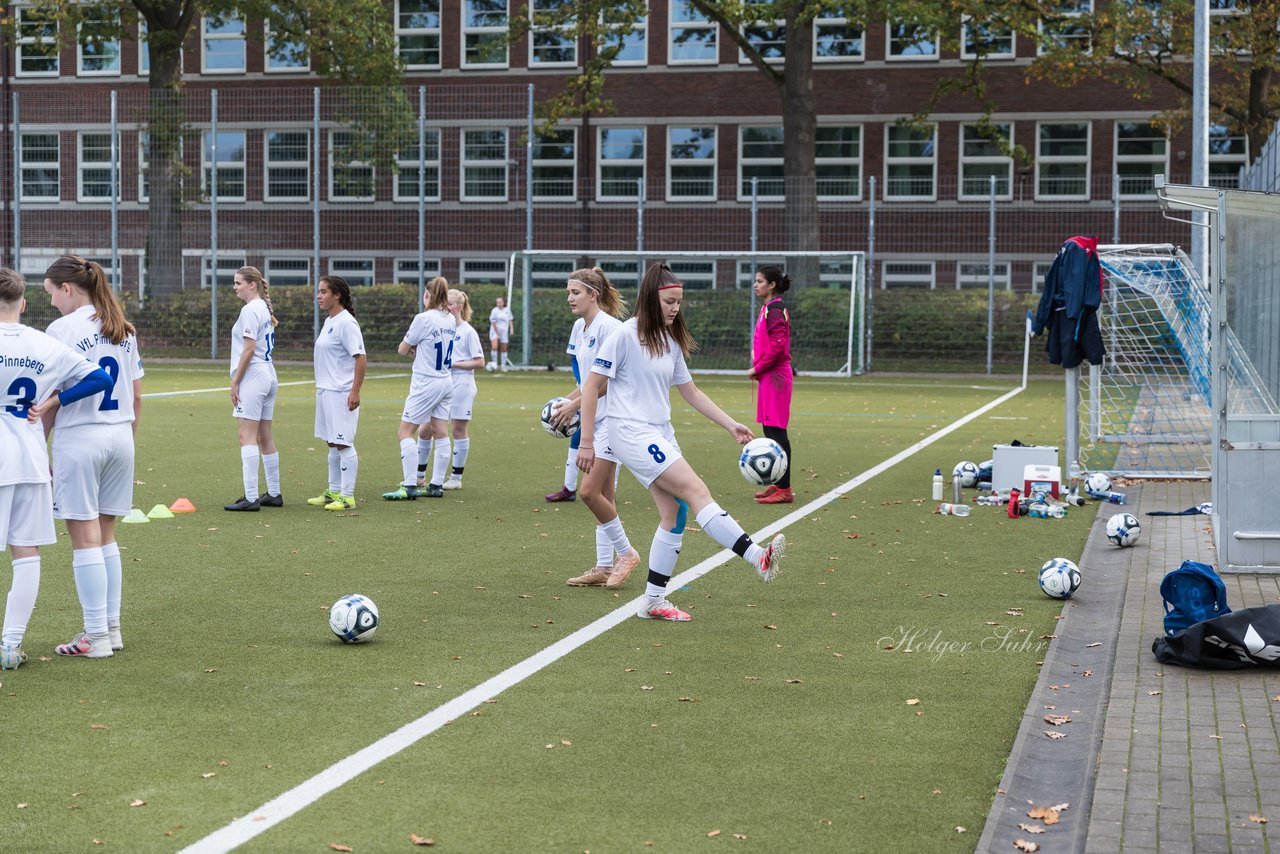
[355, 276]
[1084, 8]
[466, 162]
[603, 162]
[269, 165]
[206, 37]
[547, 162]
[56, 165]
[671, 163]
[482, 32]
[206, 166]
[695, 280]
[1003, 275]
[562, 34]
[744, 161]
[465, 265]
[351, 165]
[1160, 162]
[965, 159]
[641, 25]
[835, 24]
[692, 24]
[268, 41]
[777, 28]
[402, 32]
[855, 161]
[1239, 159]
[1050, 159]
[966, 23]
[228, 263]
[890, 39]
[98, 165]
[891, 160]
[80, 55]
[274, 276]
[906, 278]
[431, 269]
[409, 166]
[47, 47]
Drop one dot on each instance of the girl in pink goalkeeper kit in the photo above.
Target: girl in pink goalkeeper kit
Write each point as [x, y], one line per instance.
[771, 367]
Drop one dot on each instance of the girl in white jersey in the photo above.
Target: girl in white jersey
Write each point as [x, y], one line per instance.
[501, 326]
[93, 446]
[598, 305]
[468, 355]
[340, 365]
[430, 340]
[641, 362]
[32, 366]
[253, 390]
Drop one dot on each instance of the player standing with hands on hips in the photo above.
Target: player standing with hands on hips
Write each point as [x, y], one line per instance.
[339, 365]
[467, 356]
[32, 366]
[253, 390]
[641, 362]
[771, 367]
[502, 324]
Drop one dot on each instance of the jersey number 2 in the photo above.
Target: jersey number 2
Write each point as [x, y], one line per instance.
[112, 367]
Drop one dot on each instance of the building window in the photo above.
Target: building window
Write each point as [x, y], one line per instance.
[555, 165]
[230, 165]
[223, 44]
[696, 274]
[350, 175]
[631, 39]
[40, 167]
[835, 39]
[479, 271]
[285, 272]
[910, 163]
[288, 166]
[407, 270]
[911, 42]
[1038, 274]
[1227, 155]
[1142, 152]
[93, 182]
[551, 40]
[973, 274]
[907, 274]
[691, 164]
[768, 37]
[693, 36]
[1062, 161]
[484, 33]
[760, 160]
[97, 56]
[838, 158]
[282, 56]
[406, 188]
[620, 163]
[227, 267]
[357, 271]
[549, 272]
[484, 164]
[622, 272]
[981, 159]
[1067, 28]
[986, 40]
[418, 33]
[37, 44]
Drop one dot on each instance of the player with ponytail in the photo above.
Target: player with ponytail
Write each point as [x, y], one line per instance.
[253, 390]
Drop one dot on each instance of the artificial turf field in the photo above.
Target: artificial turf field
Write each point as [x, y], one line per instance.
[864, 701]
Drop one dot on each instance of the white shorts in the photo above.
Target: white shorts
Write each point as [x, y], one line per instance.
[335, 424]
[432, 400]
[26, 515]
[464, 396]
[646, 449]
[499, 335]
[601, 439]
[93, 471]
[257, 395]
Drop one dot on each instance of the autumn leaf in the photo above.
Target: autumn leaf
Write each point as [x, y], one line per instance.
[1092, 645]
[687, 699]
[1154, 693]
[713, 833]
[1024, 845]
[138, 803]
[739, 836]
[206, 775]
[1048, 815]
[1031, 828]
[771, 627]
[913, 702]
[421, 840]
[1057, 720]
[338, 846]
[1054, 734]
[1258, 819]
[795, 681]
[97, 726]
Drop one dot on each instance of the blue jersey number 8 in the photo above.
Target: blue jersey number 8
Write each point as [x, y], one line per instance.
[656, 453]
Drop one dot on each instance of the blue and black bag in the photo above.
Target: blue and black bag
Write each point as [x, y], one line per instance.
[1192, 592]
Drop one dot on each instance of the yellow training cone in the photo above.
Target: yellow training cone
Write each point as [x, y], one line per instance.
[135, 517]
[160, 512]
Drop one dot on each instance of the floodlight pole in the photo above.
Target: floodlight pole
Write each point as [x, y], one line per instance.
[1200, 133]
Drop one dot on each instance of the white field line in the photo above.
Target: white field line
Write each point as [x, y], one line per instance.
[156, 394]
[242, 829]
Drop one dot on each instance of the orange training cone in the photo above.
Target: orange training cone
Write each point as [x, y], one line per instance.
[182, 505]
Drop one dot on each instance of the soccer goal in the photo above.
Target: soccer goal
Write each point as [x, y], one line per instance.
[826, 303]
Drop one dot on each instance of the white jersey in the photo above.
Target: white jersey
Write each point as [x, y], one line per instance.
[122, 362]
[466, 345]
[431, 333]
[584, 344]
[639, 384]
[339, 343]
[254, 322]
[33, 365]
[500, 320]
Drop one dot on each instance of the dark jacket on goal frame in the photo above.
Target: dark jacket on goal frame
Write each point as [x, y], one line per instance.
[1069, 305]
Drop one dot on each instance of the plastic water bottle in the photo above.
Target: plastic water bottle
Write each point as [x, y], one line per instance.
[949, 509]
[957, 497]
[937, 485]
[1042, 510]
[1109, 495]
[991, 500]
[1074, 499]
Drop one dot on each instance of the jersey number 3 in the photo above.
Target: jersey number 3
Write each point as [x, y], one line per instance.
[23, 389]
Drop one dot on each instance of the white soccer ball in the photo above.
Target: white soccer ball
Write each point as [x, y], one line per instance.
[490, 367]
[762, 461]
[966, 472]
[1123, 529]
[1059, 578]
[1097, 482]
[354, 618]
[549, 408]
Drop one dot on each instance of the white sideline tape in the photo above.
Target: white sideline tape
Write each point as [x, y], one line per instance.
[309, 791]
[155, 394]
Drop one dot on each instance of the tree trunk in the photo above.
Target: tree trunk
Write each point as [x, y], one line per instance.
[799, 132]
[1259, 119]
[166, 120]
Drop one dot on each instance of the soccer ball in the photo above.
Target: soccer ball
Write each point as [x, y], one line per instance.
[570, 428]
[965, 472]
[1123, 529]
[353, 618]
[762, 461]
[1097, 482]
[1059, 578]
[490, 367]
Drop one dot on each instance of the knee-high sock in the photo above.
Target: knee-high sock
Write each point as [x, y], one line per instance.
[424, 456]
[571, 470]
[22, 599]
[249, 470]
[115, 580]
[91, 586]
[335, 470]
[617, 537]
[779, 435]
[440, 462]
[271, 465]
[409, 460]
[604, 548]
[349, 464]
[461, 448]
[722, 528]
[663, 553]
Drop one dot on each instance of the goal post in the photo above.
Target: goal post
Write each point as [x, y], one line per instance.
[826, 303]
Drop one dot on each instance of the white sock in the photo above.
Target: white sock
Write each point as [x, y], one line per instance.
[604, 548]
[271, 465]
[335, 470]
[22, 599]
[409, 460]
[91, 586]
[349, 464]
[616, 536]
[571, 470]
[424, 456]
[115, 580]
[249, 470]
[461, 447]
[722, 528]
[663, 553]
[440, 463]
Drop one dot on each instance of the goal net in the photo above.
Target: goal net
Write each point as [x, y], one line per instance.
[825, 303]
